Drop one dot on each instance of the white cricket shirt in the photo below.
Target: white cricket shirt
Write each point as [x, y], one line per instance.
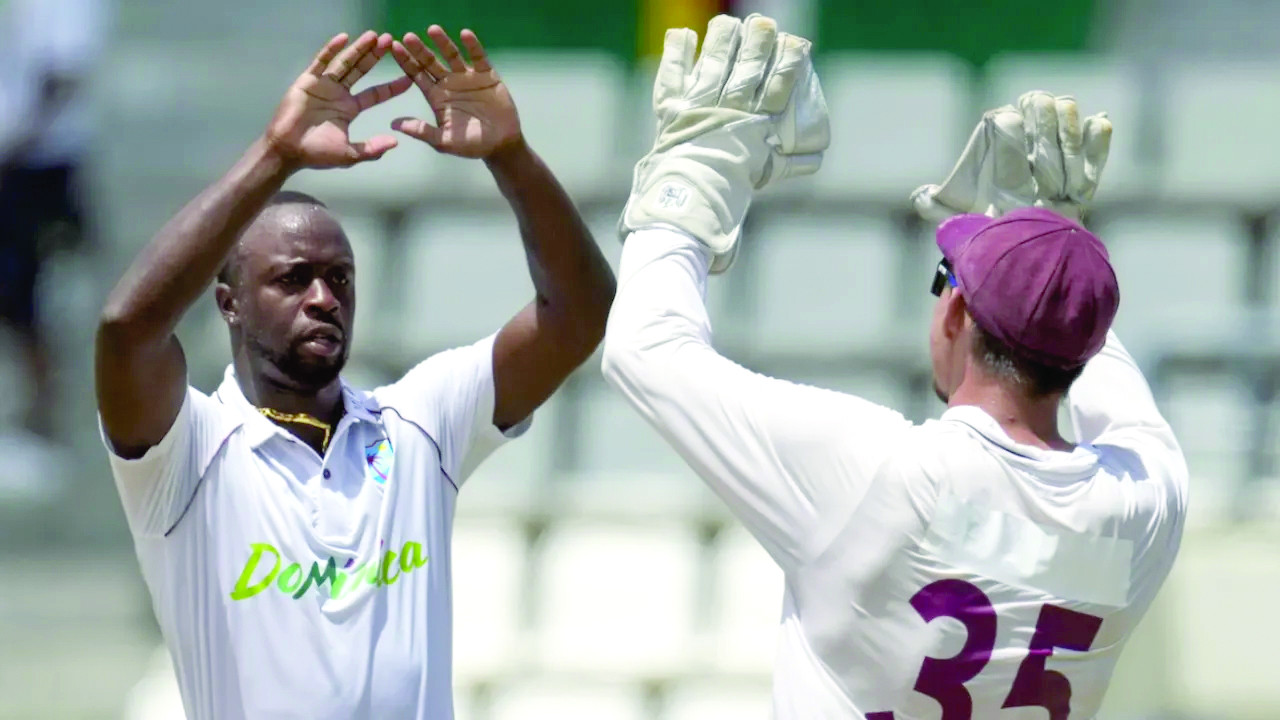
[290, 585]
[940, 571]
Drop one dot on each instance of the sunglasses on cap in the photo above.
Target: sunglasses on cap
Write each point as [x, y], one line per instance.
[942, 278]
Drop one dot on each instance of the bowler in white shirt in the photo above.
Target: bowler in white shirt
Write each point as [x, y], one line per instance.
[294, 531]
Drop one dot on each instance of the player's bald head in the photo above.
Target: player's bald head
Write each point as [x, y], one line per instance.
[287, 213]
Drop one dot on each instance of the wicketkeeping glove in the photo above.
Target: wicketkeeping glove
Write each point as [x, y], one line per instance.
[748, 114]
[1036, 154]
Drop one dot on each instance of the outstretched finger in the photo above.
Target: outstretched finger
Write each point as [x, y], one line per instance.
[371, 149]
[425, 57]
[791, 54]
[346, 60]
[1097, 145]
[379, 94]
[411, 67]
[1071, 140]
[417, 128]
[678, 50]
[1040, 114]
[479, 58]
[1005, 133]
[447, 48]
[719, 46]
[747, 73]
[327, 54]
[368, 60]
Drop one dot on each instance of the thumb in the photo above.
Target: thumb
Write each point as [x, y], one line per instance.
[420, 129]
[371, 149]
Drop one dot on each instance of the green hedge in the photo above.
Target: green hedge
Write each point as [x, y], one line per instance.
[973, 31]
[607, 25]
[612, 25]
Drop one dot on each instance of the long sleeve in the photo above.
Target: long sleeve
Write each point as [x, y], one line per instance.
[784, 457]
[1112, 404]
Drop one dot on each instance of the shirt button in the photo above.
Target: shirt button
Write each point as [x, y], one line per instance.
[326, 473]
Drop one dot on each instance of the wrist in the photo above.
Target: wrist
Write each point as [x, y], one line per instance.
[270, 157]
[509, 156]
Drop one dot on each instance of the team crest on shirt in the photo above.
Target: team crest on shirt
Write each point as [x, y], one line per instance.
[378, 456]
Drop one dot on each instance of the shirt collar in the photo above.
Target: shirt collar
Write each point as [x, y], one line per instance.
[258, 429]
[1083, 459]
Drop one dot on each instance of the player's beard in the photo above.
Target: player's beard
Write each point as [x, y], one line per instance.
[306, 373]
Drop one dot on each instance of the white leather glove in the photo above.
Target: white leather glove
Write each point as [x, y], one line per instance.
[748, 114]
[1036, 154]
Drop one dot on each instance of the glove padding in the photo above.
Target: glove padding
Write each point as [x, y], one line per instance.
[748, 114]
[1036, 154]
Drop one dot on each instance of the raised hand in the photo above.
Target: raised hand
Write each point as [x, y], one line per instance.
[475, 116]
[1038, 154]
[310, 127]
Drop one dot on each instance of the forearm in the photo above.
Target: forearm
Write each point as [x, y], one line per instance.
[657, 353]
[182, 259]
[571, 277]
[773, 450]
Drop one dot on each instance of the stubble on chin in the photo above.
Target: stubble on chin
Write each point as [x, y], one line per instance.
[291, 365]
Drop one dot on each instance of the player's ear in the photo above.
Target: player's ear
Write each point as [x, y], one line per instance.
[226, 299]
[954, 314]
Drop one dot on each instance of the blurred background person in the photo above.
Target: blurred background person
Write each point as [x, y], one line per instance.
[49, 49]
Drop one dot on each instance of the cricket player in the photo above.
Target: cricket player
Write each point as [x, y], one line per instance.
[974, 566]
[293, 530]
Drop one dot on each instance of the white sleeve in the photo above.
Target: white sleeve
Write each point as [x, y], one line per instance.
[450, 396]
[784, 457]
[157, 488]
[1111, 404]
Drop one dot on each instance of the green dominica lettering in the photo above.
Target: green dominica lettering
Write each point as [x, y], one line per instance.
[243, 589]
[317, 577]
[380, 572]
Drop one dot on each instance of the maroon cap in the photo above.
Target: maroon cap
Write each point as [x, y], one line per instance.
[1036, 281]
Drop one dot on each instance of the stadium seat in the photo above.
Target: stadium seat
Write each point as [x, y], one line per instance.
[897, 122]
[1271, 276]
[614, 440]
[1222, 662]
[1181, 276]
[1211, 417]
[511, 480]
[1219, 119]
[488, 578]
[156, 695]
[169, 117]
[825, 284]
[1099, 83]
[195, 22]
[369, 245]
[746, 604]
[463, 276]
[624, 469]
[581, 147]
[719, 699]
[617, 600]
[639, 126]
[602, 220]
[567, 699]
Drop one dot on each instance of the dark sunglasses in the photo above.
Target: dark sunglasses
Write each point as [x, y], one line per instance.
[942, 278]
